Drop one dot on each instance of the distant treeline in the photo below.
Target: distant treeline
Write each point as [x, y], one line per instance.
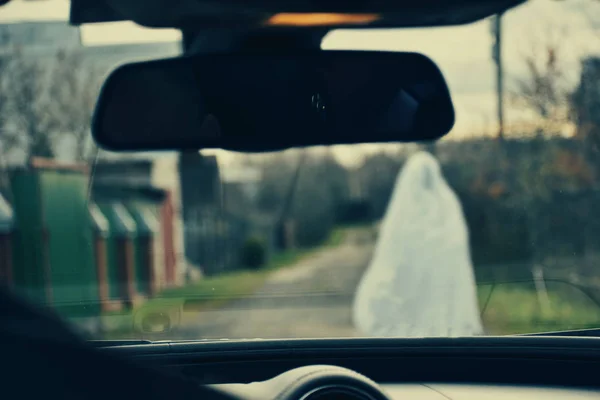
[524, 200]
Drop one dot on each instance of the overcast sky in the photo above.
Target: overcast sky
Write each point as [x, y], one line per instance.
[463, 53]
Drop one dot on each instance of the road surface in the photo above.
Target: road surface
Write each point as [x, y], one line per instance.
[311, 299]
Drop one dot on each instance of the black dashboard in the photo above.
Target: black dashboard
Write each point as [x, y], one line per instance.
[487, 392]
[494, 368]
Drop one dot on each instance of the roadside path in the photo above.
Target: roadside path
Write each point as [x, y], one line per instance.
[310, 299]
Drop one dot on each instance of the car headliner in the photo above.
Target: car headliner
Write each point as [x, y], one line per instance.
[229, 14]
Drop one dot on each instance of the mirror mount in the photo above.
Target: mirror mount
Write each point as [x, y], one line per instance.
[203, 41]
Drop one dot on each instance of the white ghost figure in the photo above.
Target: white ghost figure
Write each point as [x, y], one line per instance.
[420, 282]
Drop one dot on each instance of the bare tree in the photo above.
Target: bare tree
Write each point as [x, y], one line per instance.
[45, 101]
[27, 122]
[4, 106]
[586, 108]
[75, 86]
[544, 90]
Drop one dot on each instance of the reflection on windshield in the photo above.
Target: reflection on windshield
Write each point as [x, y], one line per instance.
[220, 245]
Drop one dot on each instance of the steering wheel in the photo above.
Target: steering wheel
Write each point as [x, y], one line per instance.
[315, 382]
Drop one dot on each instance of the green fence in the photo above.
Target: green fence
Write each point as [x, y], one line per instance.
[53, 242]
[7, 227]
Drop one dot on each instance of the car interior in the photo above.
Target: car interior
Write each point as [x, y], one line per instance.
[173, 103]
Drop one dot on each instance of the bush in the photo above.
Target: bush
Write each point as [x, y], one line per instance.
[314, 221]
[254, 253]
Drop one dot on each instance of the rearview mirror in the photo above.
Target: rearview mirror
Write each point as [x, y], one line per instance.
[272, 101]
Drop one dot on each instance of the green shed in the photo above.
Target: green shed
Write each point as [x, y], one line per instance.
[120, 250]
[7, 225]
[148, 225]
[54, 259]
[152, 214]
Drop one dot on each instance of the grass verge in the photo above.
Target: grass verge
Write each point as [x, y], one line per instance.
[515, 308]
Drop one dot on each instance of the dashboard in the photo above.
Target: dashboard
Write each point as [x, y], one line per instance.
[322, 382]
[487, 392]
[484, 368]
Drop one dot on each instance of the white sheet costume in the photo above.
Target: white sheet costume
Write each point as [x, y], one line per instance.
[420, 282]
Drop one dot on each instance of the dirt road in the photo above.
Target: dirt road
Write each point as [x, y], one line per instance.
[310, 299]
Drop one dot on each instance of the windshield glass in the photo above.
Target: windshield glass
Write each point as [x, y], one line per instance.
[492, 230]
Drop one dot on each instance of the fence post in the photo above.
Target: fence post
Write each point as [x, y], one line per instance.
[540, 288]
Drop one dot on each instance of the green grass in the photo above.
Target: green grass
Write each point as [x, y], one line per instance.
[516, 308]
[212, 292]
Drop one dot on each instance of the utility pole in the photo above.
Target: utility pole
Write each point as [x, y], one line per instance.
[496, 30]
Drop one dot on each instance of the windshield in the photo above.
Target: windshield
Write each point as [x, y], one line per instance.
[492, 230]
